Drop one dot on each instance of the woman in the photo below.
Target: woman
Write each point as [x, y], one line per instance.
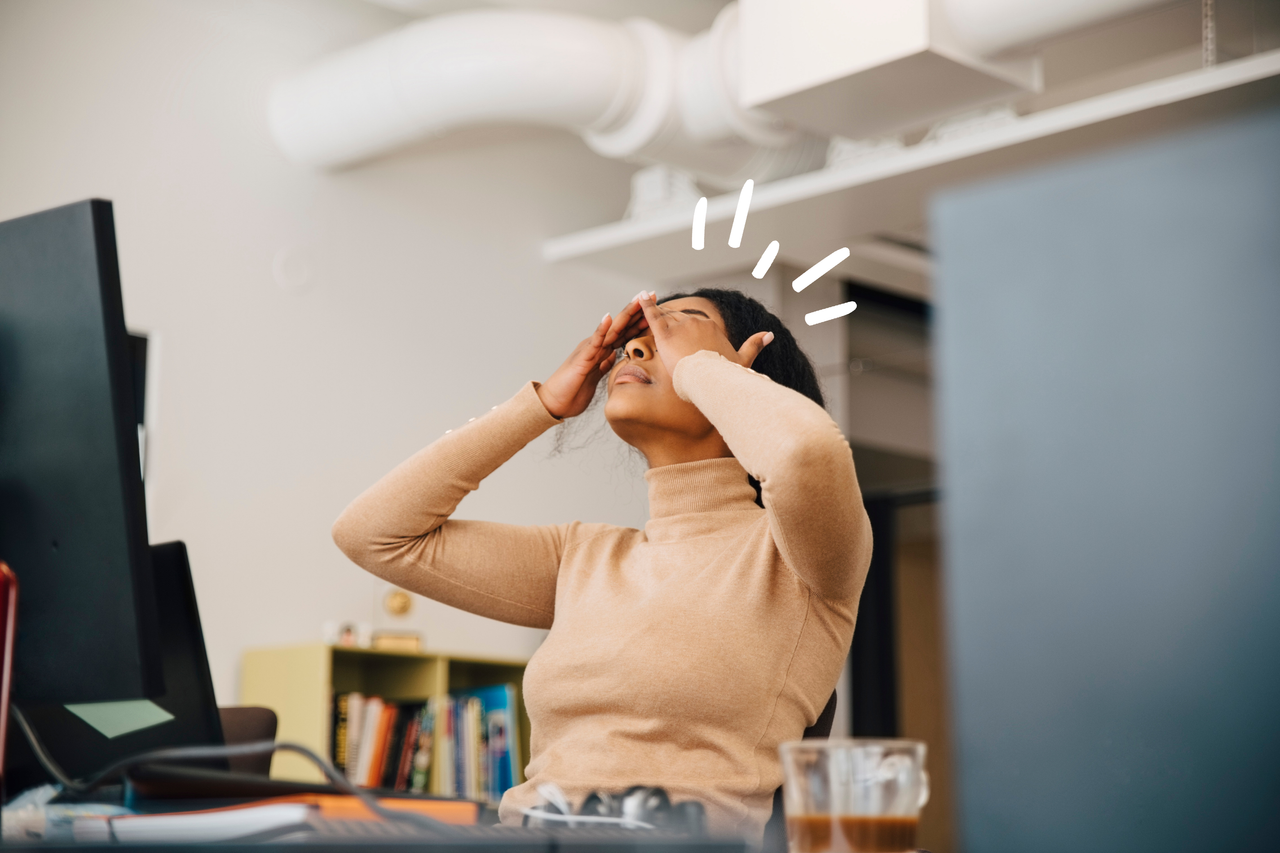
[682, 654]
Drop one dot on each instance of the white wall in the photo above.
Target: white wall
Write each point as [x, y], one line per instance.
[314, 329]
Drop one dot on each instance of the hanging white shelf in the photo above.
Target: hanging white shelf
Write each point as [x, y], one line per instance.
[814, 213]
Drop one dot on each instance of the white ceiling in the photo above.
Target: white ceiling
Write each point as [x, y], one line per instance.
[691, 16]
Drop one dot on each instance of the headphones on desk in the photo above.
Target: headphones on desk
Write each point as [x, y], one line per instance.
[639, 807]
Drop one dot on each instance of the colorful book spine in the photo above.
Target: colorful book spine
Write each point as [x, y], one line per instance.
[424, 751]
[484, 790]
[493, 740]
[405, 764]
[470, 744]
[448, 767]
[463, 745]
[367, 750]
[386, 721]
[355, 727]
[458, 710]
[391, 753]
[338, 732]
[397, 760]
[412, 715]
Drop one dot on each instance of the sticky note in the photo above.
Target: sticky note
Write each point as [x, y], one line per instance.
[120, 718]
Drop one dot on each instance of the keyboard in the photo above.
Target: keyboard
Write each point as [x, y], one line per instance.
[513, 839]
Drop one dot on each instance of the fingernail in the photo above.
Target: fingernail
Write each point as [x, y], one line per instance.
[605, 318]
[768, 337]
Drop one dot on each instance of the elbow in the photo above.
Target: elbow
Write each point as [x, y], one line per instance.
[350, 536]
[370, 547]
[356, 541]
[819, 458]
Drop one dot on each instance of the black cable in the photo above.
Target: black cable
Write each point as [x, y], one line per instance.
[42, 755]
[193, 753]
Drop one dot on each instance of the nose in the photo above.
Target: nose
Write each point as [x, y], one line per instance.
[640, 349]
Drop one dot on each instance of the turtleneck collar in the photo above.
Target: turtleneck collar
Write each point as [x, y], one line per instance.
[681, 497]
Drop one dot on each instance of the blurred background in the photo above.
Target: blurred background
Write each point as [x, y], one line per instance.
[345, 227]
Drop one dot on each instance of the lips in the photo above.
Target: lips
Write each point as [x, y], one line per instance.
[630, 373]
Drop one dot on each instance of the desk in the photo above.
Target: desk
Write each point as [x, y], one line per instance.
[474, 840]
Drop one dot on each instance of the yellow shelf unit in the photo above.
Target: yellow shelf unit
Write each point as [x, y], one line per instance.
[299, 683]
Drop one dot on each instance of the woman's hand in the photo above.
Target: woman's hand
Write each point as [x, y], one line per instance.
[677, 334]
[569, 390]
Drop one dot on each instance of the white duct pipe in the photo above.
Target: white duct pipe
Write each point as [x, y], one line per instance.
[989, 27]
[455, 70]
[634, 90]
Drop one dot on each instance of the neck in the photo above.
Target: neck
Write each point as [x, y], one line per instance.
[667, 456]
[666, 449]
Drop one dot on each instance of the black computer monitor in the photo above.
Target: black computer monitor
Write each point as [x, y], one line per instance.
[72, 519]
[83, 742]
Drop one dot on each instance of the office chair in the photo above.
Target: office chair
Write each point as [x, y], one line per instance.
[247, 725]
[775, 831]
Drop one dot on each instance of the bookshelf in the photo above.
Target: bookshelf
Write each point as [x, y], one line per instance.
[299, 683]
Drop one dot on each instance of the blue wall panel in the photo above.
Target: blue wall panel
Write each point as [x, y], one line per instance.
[1108, 346]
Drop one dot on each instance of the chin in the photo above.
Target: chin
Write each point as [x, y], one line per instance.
[619, 411]
[628, 417]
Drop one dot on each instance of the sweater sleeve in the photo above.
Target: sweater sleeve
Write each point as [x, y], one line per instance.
[400, 529]
[804, 465]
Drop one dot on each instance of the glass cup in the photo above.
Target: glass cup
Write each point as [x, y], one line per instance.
[853, 796]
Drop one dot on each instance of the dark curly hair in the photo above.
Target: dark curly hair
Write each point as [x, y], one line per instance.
[782, 360]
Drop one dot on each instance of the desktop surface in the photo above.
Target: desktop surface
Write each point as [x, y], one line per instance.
[342, 836]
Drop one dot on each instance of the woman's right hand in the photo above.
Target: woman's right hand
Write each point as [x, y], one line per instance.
[569, 390]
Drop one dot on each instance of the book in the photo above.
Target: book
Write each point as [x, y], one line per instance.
[463, 755]
[367, 745]
[461, 739]
[406, 713]
[239, 821]
[355, 727]
[397, 641]
[382, 733]
[462, 745]
[424, 750]
[191, 827]
[481, 745]
[407, 747]
[444, 746]
[338, 731]
[498, 749]
[401, 781]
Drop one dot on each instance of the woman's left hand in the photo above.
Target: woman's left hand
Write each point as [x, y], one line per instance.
[677, 334]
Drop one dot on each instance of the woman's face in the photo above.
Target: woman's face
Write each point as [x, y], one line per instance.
[642, 406]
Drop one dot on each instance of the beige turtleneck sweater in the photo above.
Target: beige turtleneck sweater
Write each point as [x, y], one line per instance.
[679, 655]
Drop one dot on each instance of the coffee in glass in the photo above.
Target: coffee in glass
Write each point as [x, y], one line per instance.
[853, 796]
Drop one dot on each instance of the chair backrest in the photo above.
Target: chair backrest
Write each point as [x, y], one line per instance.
[247, 725]
[821, 727]
[775, 831]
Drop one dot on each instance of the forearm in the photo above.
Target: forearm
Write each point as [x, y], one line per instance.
[397, 528]
[420, 493]
[803, 462]
[775, 432]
